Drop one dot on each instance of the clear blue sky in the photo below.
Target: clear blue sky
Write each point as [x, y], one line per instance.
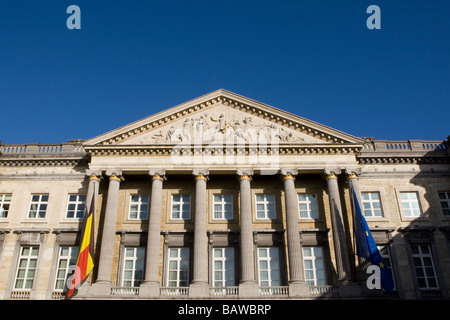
[316, 59]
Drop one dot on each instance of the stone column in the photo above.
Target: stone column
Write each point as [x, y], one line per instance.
[248, 286]
[297, 284]
[352, 176]
[199, 286]
[103, 283]
[339, 239]
[92, 194]
[150, 286]
[94, 184]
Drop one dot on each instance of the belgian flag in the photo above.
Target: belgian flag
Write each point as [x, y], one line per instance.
[85, 262]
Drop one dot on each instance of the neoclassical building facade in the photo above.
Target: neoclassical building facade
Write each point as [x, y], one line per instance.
[224, 197]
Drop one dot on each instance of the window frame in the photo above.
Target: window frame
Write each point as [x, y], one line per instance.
[371, 201]
[28, 258]
[5, 202]
[421, 256]
[39, 203]
[77, 203]
[180, 203]
[308, 203]
[265, 203]
[72, 260]
[178, 259]
[135, 259]
[222, 204]
[139, 204]
[409, 201]
[268, 258]
[224, 270]
[314, 258]
[446, 200]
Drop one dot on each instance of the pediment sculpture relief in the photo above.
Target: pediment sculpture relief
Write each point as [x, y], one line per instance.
[221, 127]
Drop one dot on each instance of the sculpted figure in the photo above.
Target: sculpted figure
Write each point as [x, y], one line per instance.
[221, 126]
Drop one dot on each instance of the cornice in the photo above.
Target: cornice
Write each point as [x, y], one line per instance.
[167, 150]
[48, 162]
[392, 159]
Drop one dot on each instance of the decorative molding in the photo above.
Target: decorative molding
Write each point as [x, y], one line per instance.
[181, 149]
[17, 162]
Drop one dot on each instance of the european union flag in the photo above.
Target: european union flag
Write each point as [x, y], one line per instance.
[367, 249]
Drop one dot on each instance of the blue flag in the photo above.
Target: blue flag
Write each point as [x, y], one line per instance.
[367, 249]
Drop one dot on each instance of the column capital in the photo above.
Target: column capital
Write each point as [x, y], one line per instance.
[157, 174]
[114, 174]
[331, 173]
[244, 174]
[200, 174]
[289, 173]
[353, 173]
[94, 174]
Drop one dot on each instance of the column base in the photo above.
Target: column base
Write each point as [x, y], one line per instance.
[149, 290]
[199, 290]
[248, 290]
[100, 288]
[298, 289]
[349, 289]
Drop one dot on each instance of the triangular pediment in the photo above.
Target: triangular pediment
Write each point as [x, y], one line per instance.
[223, 116]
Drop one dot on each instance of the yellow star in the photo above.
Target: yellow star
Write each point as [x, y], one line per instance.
[381, 264]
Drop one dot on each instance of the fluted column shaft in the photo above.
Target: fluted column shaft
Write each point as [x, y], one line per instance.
[154, 229]
[293, 238]
[109, 228]
[339, 239]
[200, 274]
[246, 240]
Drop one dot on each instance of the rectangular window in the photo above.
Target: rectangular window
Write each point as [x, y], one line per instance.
[5, 202]
[138, 207]
[313, 265]
[265, 206]
[75, 206]
[133, 267]
[410, 204]
[307, 206]
[223, 207]
[444, 198]
[371, 204]
[26, 268]
[424, 267]
[181, 207]
[269, 267]
[178, 263]
[38, 206]
[223, 267]
[67, 257]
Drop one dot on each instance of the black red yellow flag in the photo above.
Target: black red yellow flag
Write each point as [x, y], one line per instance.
[85, 261]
